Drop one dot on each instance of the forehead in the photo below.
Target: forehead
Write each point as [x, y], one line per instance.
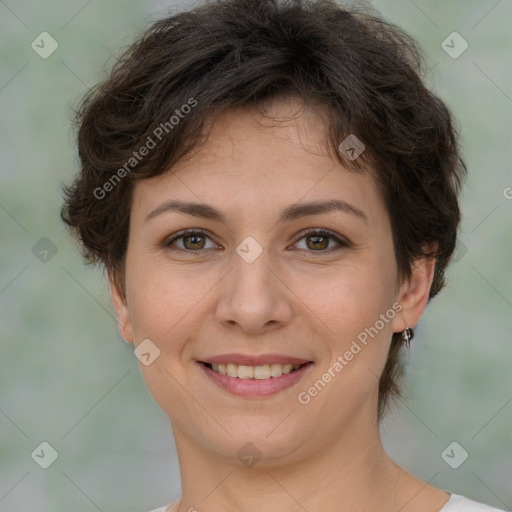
[253, 162]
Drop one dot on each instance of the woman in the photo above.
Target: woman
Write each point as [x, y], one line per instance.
[273, 192]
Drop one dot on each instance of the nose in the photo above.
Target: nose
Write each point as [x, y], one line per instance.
[253, 297]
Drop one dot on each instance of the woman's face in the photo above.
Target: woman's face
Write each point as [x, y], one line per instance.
[257, 284]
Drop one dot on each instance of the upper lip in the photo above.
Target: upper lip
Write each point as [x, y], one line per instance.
[248, 360]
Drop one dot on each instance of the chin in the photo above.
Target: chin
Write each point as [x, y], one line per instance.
[265, 440]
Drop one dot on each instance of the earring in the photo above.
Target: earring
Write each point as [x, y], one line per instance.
[407, 336]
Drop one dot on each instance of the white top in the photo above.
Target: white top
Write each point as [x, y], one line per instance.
[456, 503]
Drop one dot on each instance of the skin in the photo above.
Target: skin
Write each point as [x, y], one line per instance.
[310, 302]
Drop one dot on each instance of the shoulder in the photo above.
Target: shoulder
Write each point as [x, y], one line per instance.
[458, 503]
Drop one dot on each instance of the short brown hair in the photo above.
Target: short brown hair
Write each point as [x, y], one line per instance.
[365, 72]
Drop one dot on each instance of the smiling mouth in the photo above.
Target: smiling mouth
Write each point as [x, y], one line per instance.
[265, 371]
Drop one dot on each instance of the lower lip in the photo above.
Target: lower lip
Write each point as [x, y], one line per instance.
[255, 387]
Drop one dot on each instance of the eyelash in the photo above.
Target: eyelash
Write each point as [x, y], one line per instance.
[342, 243]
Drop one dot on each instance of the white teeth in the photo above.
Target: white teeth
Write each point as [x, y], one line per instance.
[246, 372]
[232, 370]
[265, 371]
[287, 368]
[262, 372]
[276, 370]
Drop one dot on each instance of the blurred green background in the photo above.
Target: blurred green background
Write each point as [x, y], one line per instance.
[67, 378]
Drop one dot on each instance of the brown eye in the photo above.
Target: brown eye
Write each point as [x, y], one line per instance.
[195, 241]
[192, 241]
[318, 240]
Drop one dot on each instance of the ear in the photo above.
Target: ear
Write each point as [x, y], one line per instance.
[414, 292]
[120, 305]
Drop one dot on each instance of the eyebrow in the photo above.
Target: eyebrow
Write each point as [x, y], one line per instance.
[292, 212]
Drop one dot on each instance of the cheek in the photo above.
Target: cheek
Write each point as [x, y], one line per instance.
[357, 311]
[356, 344]
[159, 298]
[161, 308]
[356, 296]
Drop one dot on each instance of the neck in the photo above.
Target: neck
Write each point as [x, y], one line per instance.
[351, 471]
